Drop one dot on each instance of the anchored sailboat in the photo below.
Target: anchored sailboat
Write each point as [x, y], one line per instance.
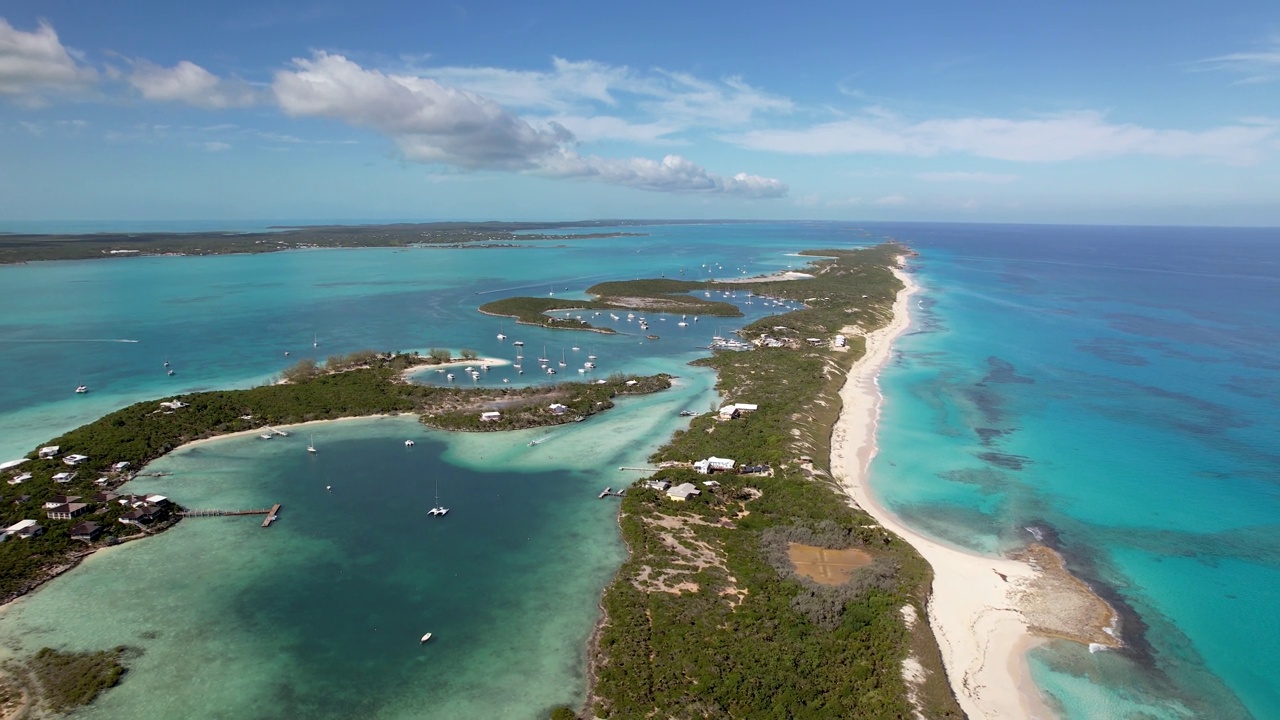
[438, 510]
[311, 445]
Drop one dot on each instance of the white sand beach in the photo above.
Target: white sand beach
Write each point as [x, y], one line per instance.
[974, 609]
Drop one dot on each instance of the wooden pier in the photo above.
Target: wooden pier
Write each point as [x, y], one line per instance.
[638, 469]
[271, 516]
[610, 491]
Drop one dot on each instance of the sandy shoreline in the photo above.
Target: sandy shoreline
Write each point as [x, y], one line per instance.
[772, 277]
[974, 607]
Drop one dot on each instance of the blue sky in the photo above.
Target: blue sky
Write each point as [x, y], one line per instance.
[1097, 112]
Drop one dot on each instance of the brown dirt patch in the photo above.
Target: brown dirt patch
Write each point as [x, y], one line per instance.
[826, 566]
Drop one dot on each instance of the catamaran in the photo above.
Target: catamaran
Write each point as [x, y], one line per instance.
[438, 510]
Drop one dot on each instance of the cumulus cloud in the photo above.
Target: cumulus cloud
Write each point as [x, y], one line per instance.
[430, 122]
[969, 177]
[191, 84]
[672, 174]
[214, 146]
[434, 123]
[35, 63]
[1065, 136]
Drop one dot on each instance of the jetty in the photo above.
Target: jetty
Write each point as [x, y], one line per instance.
[640, 469]
[610, 491]
[272, 513]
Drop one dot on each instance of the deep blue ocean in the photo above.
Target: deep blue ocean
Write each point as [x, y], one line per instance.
[1109, 391]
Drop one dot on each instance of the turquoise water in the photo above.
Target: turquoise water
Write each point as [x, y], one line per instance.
[1112, 390]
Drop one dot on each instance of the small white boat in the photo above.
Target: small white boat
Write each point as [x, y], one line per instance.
[328, 488]
[286, 353]
[311, 446]
[315, 341]
[425, 638]
[501, 336]
[518, 343]
[266, 436]
[82, 389]
[449, 376]
[170, 372]
[408, 443]
[551, 371]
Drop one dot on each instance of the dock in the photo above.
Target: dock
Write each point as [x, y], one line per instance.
[271, 516]
[638, 469]
[610, 491]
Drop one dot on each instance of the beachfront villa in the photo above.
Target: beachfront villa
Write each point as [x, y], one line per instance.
[49, 451]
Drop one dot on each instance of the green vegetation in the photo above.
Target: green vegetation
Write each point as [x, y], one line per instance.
[706, 618]
[659, 296]
[63, 681]
[363, 383]
[17, 247]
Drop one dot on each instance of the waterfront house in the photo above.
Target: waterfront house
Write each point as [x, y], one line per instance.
[713, 464]
[63, 477]
[491, 416]
[729, 412]
[557, 408]
[49, 451]
[157, 500]
[86, 531]
[74, 459]
[683, 492]
[629, 383]
[659, 485]
[19, 479]
[173, 405]
[143, 516]
[66, 511]
[120, 466]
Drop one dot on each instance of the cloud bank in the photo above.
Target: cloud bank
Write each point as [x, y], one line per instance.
[435, 123]
[1055, 138]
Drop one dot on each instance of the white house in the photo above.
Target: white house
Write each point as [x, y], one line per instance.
[659, 485]
[20, 479]
[491, 416]
[173, 404]
[683, 492]
[120, 466]
[64, 477]
[74, 459]
[557, 408]
[49, 451]
[840, 341]
[713, 464]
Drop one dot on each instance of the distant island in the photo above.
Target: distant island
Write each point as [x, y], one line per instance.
[30, 247]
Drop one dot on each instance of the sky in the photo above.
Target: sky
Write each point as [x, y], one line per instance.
[1141, 112]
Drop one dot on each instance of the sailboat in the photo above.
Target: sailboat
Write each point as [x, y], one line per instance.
[562, 361]
[544, 359]
[315, 340]
[311, 446]
[438, 510]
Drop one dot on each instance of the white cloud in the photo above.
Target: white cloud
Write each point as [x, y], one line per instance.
[437, 124]
[969, 177]
[1065, 136]
[571, 92]
[191, 84]
[1259, 66]
[672, 174]
[214, 146]
[34, 63]
[430, 122]
[890, 200]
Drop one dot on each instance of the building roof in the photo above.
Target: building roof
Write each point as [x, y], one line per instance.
[683, 491]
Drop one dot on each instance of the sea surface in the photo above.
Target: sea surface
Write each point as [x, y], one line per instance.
[1108, 391]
